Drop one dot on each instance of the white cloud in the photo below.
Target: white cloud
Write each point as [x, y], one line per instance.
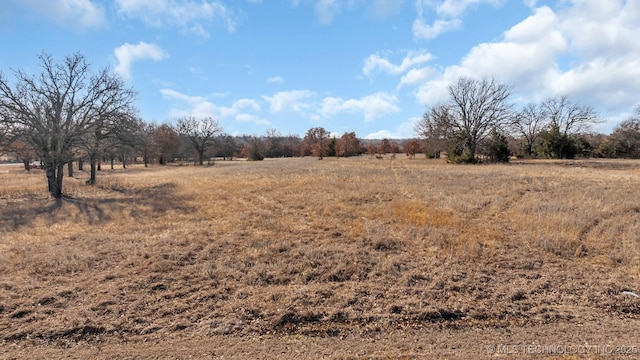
[375, 62]
[372, 106]
[587, 50]
[275, 80]
[449, 15]
[385, 8]
[294, 101]
[326, 9]
[84, 13]
[455, 8]
[602, 28]
[422, 30]
[128, 53]
[405, 130]
[242, 110]
[185, 14]
[248, 118]
[415, 76]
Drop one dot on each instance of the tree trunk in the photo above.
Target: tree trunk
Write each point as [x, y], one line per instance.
[124, 159]
[201, 157]
[55, 175]
[92, 164]
[111, 162]
[26, 164]
[146, 159]
[70, 168]
[80, 164]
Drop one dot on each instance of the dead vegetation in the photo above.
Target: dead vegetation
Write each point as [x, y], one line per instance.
[340, 249]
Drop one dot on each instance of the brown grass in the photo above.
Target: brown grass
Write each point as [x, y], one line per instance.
[339, 248]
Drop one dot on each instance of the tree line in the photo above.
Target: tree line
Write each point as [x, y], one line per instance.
[479, 122]
[66, 113]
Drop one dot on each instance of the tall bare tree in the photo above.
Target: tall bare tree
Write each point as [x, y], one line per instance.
[143, 141]
[474, 109]
[528, 123]
[59, 107]
[568, 117]
[200, 133]
[434, 130]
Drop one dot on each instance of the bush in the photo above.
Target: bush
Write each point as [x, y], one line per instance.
[498, 148]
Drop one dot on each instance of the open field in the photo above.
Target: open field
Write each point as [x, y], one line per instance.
[342, 258]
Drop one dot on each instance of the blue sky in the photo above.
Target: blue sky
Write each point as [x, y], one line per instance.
[369, 66]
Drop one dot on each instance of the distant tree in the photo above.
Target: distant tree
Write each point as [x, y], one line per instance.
[199, 133]
[23, 150]
[348, 145]
[596, 140]
[226, 146]
[384, 147]
[528, 123]
[332, 145]
[497, 147]
[273, 143]
[565, 120]
[394, 148]
[554, 144]
[55, 110]
[253, 150]
[291, 145]
[371, 149]
[317, 139]
[475, 108]
[167, 143]
[107, 137]
[568, 117]
[434, 131]
[412, 148]
[143, 140]
[624, 141]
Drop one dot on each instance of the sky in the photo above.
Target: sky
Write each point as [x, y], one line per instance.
[369, 66]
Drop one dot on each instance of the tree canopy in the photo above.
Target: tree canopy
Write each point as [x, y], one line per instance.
[56, 110]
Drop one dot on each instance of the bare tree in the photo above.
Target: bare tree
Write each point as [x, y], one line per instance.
[568, 117]
[144, 143]
[108, 132]
[273, 143]
[200, 133]
[166, 142]
[226, 146]
[434, 130]
[317, 138]
[23, 150]
[528, 123]
[60, 107]
[476, 107]
[4, 134]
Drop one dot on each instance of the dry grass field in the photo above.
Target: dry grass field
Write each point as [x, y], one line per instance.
[342, 258]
